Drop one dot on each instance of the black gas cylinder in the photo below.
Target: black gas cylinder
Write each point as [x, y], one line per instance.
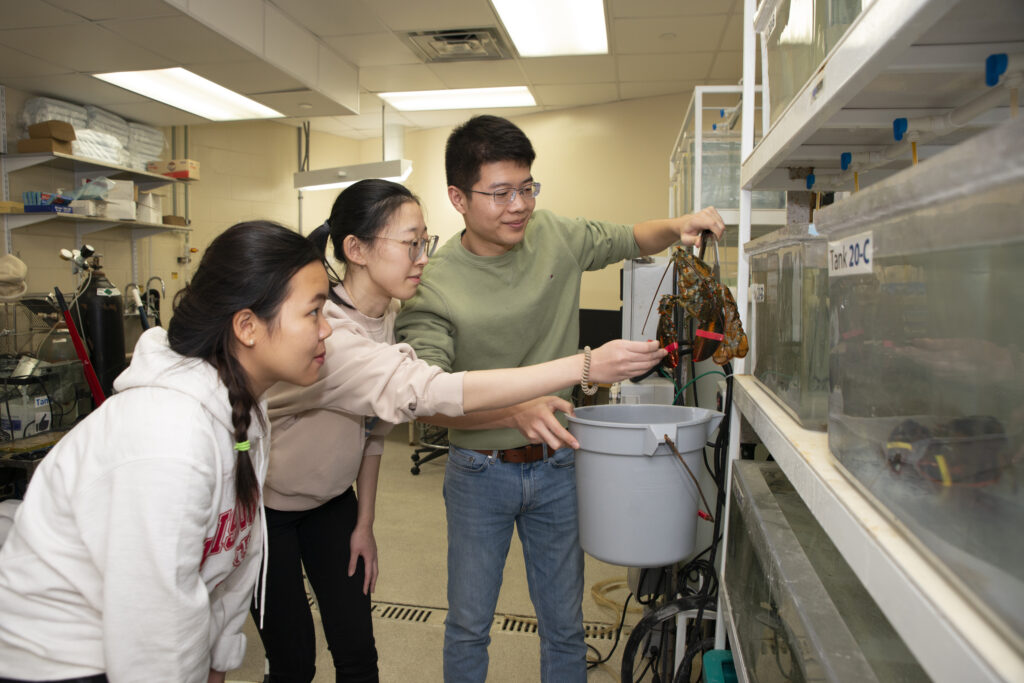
[102, 317]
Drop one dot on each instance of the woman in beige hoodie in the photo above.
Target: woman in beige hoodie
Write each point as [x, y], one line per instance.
[328, 436]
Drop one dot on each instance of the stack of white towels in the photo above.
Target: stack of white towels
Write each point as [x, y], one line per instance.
[101, 135]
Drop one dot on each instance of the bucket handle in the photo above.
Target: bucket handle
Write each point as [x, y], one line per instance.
[654, 436]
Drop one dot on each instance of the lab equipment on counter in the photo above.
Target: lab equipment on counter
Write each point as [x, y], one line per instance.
[789, 297]
[926, 409]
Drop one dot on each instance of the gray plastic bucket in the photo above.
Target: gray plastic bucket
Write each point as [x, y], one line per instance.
[637, 504]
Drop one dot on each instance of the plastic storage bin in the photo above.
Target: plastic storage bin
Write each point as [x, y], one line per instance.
[797, 36]
[798, 612]
[926, 357]
[788, 270]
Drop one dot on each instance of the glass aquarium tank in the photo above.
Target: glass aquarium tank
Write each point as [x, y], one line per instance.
[797, 35]
[926, 316]
[798, 611]
[789, 281]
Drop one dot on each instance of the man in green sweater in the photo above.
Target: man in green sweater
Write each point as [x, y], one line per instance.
[505, 293]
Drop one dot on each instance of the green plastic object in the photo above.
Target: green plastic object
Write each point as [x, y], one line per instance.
[718, 667]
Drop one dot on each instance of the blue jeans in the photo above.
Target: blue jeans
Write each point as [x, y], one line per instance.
[484, 499]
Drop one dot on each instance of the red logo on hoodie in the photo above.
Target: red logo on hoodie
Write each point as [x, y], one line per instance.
[230, 526]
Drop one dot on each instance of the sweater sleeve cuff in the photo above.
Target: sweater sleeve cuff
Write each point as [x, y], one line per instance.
[228, 652]
[450, 387]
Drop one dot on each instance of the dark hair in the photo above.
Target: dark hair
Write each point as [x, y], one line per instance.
[482, 140]
[361, 210]
[249, 265]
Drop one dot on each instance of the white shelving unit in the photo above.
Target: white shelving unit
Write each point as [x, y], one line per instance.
[899, 58]
[79, 168]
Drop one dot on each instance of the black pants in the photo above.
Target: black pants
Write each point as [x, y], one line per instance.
[319, 540]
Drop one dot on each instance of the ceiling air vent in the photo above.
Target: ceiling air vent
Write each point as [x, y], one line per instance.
[458, 45]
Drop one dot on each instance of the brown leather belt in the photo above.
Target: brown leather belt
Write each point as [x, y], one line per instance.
[529, 453]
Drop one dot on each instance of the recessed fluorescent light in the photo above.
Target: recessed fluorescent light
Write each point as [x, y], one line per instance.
[465, 98]
[185, 90]
[547, 28]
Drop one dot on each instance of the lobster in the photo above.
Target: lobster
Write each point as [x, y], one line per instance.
[701, 295]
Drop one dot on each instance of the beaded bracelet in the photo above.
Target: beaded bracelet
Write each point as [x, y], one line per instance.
[588, 388]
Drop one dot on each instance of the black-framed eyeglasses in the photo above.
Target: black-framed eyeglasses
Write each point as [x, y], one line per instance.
[507, 195]
[417, 247]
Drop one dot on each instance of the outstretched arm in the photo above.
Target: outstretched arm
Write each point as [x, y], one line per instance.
[657, 235]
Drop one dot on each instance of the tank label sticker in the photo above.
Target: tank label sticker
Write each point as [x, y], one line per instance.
[108, 291]
[851, 256]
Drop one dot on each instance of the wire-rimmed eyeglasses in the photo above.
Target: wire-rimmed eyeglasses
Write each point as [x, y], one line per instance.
[417, 247]
[507, 195]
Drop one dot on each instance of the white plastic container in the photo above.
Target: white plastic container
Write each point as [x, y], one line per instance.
[637, 503]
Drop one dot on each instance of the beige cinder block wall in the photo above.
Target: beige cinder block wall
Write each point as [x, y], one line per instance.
[606, 162]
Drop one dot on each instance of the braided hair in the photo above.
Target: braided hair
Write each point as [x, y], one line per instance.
[248, 266]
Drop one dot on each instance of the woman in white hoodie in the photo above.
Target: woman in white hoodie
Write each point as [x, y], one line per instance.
[135, 553]
[329, 435]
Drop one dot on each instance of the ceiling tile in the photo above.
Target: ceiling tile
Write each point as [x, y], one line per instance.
[555, 70]
[84, 47]
[402, 15]
[34, 13]
[179, 38]
[732, 37]
[479, 74]
[302, 103]
[248, 78]
[727, 68]
[667, 34]
[393, 78]
[76, 88]
[575, 95]
[639, 89]
[97, 10]
[14, 64]
[372, 49]
[668, 8]
[678, 67]
[332, 18]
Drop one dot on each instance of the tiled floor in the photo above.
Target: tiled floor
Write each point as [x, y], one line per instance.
[410, 597]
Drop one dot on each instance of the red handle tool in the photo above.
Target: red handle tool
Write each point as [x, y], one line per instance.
[90, 373]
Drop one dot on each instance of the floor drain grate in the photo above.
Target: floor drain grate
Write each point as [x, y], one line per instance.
[401, 612]
[517, 625]
[598, 631]
[514, 624]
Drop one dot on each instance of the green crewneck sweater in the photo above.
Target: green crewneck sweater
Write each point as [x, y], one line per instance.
[522, 307]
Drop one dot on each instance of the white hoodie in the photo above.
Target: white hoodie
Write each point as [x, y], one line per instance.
[126, 556]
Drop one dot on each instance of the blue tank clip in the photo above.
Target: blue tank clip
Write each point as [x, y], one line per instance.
[899, 128]
[995, 66]
[810, 180]
[845, 159]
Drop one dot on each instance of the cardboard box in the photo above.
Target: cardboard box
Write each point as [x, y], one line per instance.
[58, 130]
[47, 208]
[175, 168]
[175, 220]
[86, 207]
[47, 145]
[119, 210]
[11, 207]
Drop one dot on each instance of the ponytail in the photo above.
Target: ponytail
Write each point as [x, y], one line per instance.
[248, 266]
